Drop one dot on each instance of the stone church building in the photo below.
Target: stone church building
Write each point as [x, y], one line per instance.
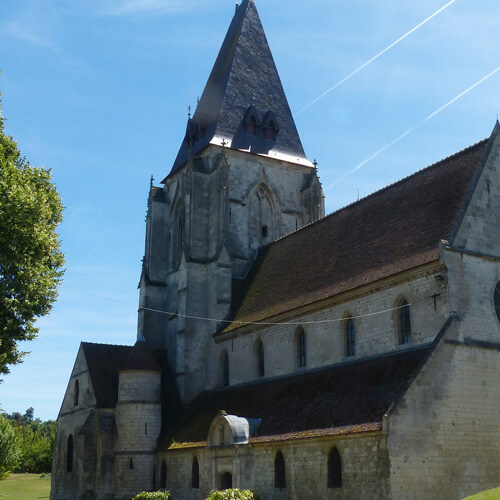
[352, 356]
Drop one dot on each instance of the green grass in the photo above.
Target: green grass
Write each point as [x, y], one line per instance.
[484, 495]
[25, 487]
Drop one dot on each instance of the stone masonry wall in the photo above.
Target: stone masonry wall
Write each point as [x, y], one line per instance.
[444, 440]
[71, 418]
[365, 472]
[325, 342]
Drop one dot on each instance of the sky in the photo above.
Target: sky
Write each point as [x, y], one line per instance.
[98, 91]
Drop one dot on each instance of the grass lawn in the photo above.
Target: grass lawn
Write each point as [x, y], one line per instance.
[24, 487]
[484, 495]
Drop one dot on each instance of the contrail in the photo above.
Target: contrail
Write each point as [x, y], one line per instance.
[410, 130]
[338, 84]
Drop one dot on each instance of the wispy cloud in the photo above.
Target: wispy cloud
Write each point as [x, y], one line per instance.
[21, 32]
[126, 7]
[25, 32]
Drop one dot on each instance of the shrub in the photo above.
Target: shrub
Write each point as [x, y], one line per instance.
[233, 494]
[153, 495]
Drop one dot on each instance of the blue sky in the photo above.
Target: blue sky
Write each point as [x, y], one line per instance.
[98, 90]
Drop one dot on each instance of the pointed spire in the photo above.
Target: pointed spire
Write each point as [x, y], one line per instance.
[245, 75]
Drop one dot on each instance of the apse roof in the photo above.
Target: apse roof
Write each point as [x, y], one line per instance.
[244, 82]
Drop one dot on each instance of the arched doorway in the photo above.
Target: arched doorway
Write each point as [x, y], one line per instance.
[226, 481]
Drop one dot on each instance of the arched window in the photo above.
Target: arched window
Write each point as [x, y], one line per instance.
[226, 481]
[195, 475]
[279, 471]
[252, 126]
[301, 349]
[131, 464]
[163, 475]
[334, 469]
[225, 368]
[180, 238]
[69, 454]
[271, 131]
[404, 326]
[77, 392]
[262, 217]
[260, 358]
[350, 341]
[496, 300]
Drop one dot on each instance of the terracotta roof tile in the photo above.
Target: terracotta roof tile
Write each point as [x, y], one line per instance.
[103, 361]
[140, 357]
[312, 404]
[390, 231]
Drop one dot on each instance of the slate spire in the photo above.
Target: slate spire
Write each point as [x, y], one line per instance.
[244, 86]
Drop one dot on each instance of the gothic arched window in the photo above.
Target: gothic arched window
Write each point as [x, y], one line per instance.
[252, 126]
[350, 341]
[225, 368]
[271, 131]
[69, 454]
[279, 471]
[261, 217]
[334, 469]
[163, 475]
[301, 349]
[496, 300]
[77, 392]
[260, 358]
[195, 474]
[404, 326]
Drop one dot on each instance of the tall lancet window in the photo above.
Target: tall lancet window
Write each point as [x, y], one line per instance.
[261, 218]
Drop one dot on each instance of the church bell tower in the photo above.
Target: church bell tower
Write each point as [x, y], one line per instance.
[240, 180]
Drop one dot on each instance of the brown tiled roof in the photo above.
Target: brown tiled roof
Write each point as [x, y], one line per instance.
[351, 394]
[392, 230]
[140, 357]
[103, 361]
[291, 436]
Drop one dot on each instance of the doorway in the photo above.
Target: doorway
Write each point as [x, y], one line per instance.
[226, 481]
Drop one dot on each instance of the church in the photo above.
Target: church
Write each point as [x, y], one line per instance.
[303, 356]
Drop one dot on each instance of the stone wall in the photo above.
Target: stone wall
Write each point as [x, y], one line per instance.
[71, 418]
[365, 469]
[325, 342]
[444, 436]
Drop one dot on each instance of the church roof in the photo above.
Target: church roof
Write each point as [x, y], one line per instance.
[393, 230]
[347, 395]
[141, 358]
[104, 361]
[244, 83]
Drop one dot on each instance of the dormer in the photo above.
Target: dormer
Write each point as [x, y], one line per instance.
[251, 121]
[230, 430]
[270, 126]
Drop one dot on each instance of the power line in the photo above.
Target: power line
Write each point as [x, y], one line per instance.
[228, 321]
[374, 58]
[410, 130]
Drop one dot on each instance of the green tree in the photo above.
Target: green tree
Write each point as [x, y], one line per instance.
[9, 447]
[30, 258]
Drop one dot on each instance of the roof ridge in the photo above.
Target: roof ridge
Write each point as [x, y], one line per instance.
[107, 345]
[385, 188]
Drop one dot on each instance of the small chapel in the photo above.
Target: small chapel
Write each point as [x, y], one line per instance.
[302, 356]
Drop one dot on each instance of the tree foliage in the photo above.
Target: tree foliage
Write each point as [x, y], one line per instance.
[9, 447]
[26, 444]
[30, 258]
